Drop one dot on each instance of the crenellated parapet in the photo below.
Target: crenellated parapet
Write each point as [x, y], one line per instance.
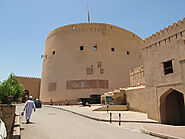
[169, 34]
[23, 77]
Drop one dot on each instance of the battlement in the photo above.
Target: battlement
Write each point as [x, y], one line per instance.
[28, 77]
[87, 27]
[171, 31]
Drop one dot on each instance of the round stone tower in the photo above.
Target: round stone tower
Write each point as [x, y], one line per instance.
[87, 58]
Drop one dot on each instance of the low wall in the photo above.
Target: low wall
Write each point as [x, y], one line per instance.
[136, 99]
[112, 108]
[7, 114]
[119, 98]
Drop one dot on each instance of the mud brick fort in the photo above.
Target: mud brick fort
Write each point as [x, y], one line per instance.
[95, 58]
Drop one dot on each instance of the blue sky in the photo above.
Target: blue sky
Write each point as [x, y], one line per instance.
[24, 25]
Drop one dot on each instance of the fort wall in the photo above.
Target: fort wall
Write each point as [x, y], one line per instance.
[163, 57]
[87, 58]
[167, 35]
[31, 85]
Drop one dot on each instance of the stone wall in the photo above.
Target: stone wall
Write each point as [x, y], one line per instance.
[32, 85]
[136, 99]
[7, 114]
[137, 76]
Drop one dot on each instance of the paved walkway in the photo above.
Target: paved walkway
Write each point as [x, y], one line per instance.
[131, 120]
[52, 123]
[165, 131]
[126, 116]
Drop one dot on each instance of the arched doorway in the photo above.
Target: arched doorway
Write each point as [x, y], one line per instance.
[172, 108]
[26, 96]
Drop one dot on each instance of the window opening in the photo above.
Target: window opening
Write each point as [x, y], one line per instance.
[181, 34]
[128, 53]
[53, 52]
[112, 49]
[89, 70]
[95, 47]
[101, 71]
[99, 64]
[168, 67]
[81, 47]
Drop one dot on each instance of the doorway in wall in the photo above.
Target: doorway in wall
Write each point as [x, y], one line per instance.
[25, 96]
[172, 108]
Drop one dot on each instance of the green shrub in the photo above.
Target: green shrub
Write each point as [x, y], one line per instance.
[11, 87]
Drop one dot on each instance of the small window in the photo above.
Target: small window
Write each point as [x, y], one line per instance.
[176, 36]
[95, 47]
[112, 49]
[101, 71]
[46, 56]
[181, 34]
[99, 64]
[168, 67]
[169, 39]
[89, 70]
[53, 52]
[81, 47]
[128, 53]
[73, 27]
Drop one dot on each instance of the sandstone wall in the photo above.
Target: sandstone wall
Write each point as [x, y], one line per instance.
[164, 46]
[87, 58]
[32, 85]
[136, 99]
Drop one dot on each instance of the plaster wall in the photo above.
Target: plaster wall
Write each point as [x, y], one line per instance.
[136, 99]
[70, 64]
[168, 44]
[32, 85]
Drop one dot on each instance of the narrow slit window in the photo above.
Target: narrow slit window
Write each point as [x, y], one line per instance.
[112, 49]
[128, 53]
[53, 52]
[181, 34]
[99, 64]
[168, 67]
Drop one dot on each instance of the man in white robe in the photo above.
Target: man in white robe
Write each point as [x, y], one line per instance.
[28, 107]
[3, 133]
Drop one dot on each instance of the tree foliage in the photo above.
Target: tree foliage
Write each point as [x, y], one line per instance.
[11, 87]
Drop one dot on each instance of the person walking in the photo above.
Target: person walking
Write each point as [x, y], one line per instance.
[3, 133]
[28, 107]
